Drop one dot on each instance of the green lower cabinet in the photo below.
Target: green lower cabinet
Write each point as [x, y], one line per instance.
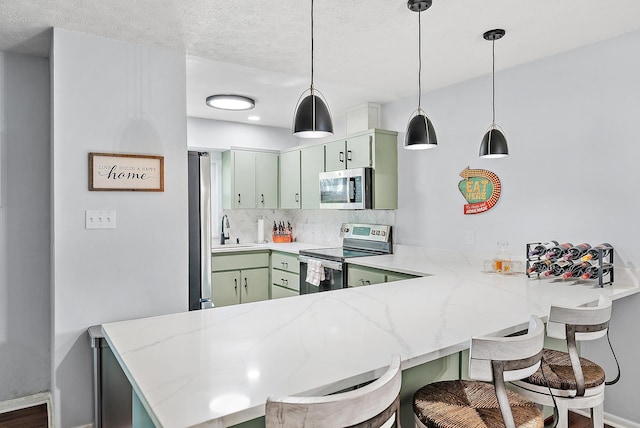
[285, 275]
[446, 368]
[254, 285]
[240, 286]
[278, 292]
[241, 277]
[358, 276]
[225, 286]
[139, 416]
[397, 276]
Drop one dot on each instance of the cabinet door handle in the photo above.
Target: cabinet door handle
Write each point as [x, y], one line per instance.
[341, 157]
[349, 155]
[238, 198]
[368, 282]
[286, 265]
[245, 283]
[262, 198]
[235, 287]
[362, 281]
[297, 197]
[284, 281]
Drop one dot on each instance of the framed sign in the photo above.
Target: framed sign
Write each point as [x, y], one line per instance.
[481, 188]
[123, 172]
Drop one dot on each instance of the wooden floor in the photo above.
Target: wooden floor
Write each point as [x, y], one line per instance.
[36, 417]
[577, 421]
[31, 417]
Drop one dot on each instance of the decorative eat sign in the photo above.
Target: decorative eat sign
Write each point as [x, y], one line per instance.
[481, 189]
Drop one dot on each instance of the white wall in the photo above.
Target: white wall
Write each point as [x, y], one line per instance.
[110, 96]
[218, 135]
[25, 261]
[571, 121]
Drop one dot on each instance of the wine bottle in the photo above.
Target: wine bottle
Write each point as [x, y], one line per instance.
[577, 270]
[593, 252]
[558, 268]
[558, 251]
[539, 266]
[540, 249]
[592, 272]
[576, 251]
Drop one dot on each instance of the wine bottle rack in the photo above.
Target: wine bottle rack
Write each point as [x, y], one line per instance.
[603, 259]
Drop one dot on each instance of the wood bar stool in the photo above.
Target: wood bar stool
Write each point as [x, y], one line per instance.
[374, 405]
[576, 383]
[469, 404]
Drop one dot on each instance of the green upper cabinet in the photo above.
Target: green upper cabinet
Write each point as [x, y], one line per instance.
[266, 180]
[312, 160]
[290, 194]
[376, 148]
[249, 179]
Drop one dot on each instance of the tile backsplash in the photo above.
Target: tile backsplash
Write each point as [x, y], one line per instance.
[312, 226]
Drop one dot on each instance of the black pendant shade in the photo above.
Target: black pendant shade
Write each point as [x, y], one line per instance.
[494, 144]
[420, 134]
[312, 118]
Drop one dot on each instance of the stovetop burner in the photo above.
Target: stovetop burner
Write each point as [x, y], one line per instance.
[337, 253]
[359, 240]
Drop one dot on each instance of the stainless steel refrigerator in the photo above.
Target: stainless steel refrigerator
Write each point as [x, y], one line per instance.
[199, 231]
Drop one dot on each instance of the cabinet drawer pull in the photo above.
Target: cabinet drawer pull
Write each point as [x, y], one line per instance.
[362, 281]
[367, 282]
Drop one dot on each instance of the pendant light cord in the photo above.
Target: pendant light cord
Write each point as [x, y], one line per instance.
[493, 80]
[311, 47]
[419, 62]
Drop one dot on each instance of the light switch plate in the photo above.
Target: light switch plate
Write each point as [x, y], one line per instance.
[469, 238]
[100, 219]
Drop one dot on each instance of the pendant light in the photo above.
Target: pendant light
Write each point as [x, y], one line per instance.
[420, 133]
[312, 118]
[494, 143]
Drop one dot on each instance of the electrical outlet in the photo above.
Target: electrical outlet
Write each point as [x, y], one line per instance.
[100, 219]
[469, 238]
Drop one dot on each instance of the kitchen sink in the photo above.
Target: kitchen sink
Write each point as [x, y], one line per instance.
[231, 245]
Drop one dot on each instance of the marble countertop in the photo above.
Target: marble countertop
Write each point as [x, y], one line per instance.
[287, 247]
[217, 367]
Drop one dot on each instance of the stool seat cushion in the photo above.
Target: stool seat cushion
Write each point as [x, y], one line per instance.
[470, 404]
[559, 374]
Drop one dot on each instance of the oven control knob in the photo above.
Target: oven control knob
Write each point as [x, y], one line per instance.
[383, 233]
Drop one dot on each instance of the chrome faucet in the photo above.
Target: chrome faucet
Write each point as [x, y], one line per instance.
[223, 238]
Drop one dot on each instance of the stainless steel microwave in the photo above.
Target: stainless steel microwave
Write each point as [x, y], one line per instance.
[347, 189]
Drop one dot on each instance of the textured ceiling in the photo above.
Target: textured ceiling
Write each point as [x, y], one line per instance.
[365, 50]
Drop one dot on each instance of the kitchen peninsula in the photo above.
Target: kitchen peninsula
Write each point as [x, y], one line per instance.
[217, 367]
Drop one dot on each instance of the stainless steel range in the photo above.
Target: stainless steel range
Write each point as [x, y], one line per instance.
[324, 269]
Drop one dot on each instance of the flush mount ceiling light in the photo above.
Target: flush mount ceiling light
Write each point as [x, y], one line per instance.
[230, 102]
[420, 133]
[312, 118]
[494, 143]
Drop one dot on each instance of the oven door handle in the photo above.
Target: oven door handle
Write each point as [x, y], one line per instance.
[325, 263]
